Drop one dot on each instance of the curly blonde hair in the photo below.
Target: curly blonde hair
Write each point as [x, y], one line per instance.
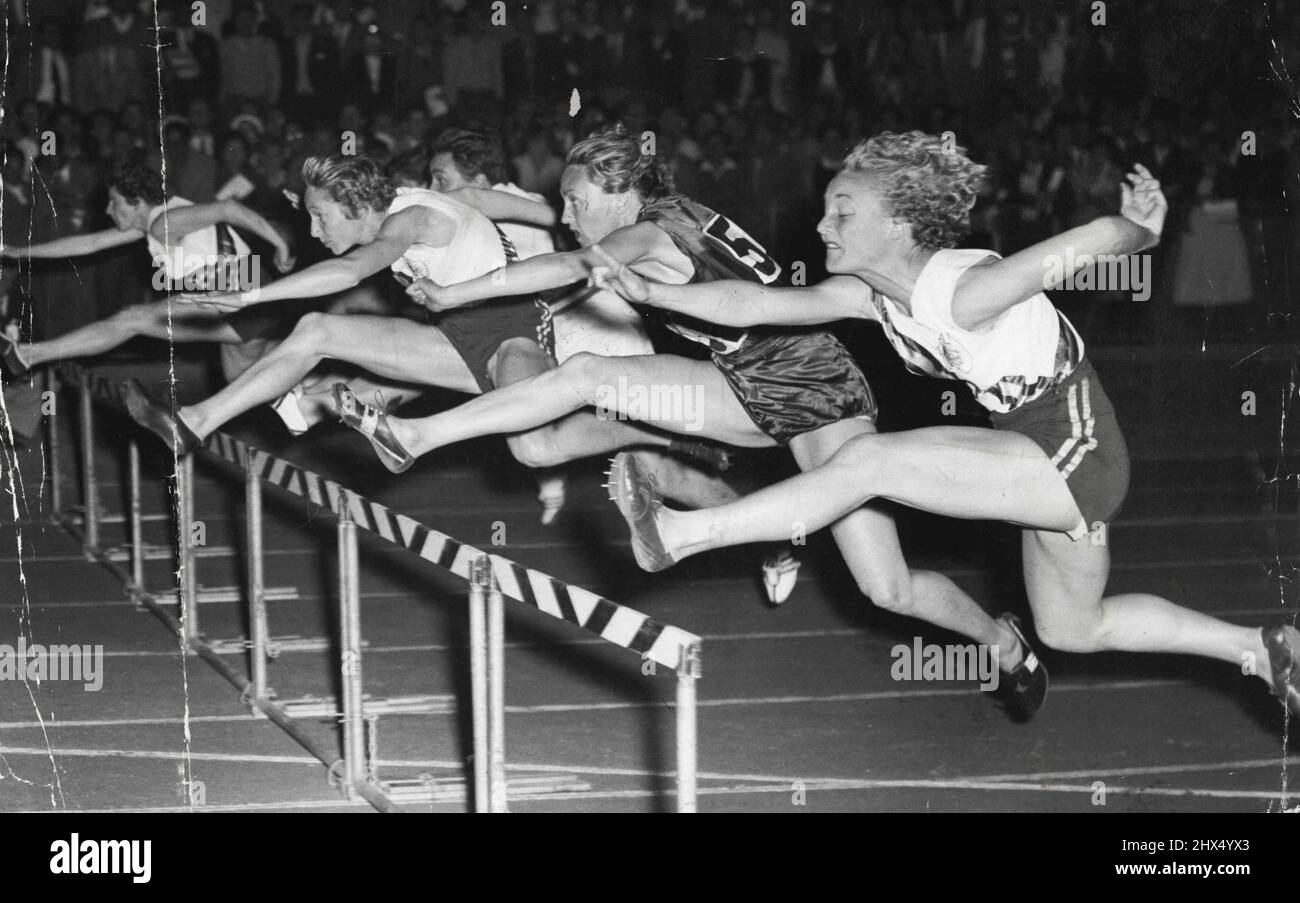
[927, 181]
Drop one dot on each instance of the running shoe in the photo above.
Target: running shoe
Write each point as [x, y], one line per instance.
[159, 419]
[1026, 684]
[633, 491]
[710, 453]
[372, 422]
[11, 360]
[551, 493]
[1283, 645]
[289, 408]
[780, 574]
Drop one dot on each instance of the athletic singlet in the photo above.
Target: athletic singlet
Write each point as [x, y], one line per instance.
[529, 240]
[475, 247]
[197, 254]
[1027, 350]
[718, 249]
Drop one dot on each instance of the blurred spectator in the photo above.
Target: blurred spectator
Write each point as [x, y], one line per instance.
[371, 75]
[250, 63]
[191, 57]
[115, 54]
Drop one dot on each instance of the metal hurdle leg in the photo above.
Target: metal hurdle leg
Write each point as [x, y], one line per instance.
[688, 671]
[52, 441]
[137, 527]
[89, 487]
[185, 545]
[256, 582]
[496, 680]
[480, 576]
[354, 748]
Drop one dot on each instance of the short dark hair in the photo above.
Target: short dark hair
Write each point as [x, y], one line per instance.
[136, 182]
[411, 164]
[354, 183]
[473, 153]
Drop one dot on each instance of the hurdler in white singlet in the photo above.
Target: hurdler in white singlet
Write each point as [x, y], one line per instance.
[475, 247]
[1022, 354]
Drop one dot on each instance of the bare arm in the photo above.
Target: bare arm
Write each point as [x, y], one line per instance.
[75, 245]
[737, 302]
[985, 292]
[184, 220]
[628, 245]
[504, 206]
[399, 232]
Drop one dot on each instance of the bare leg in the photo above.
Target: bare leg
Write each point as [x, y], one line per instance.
[586, 380]
[188, 324]
[963, 472]
[977, 473]
[1065, 580]
[869, 543]
[388, 346]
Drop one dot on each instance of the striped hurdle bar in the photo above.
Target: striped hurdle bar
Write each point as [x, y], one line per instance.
[618, 624]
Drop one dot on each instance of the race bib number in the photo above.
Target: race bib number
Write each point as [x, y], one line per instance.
[742, 247]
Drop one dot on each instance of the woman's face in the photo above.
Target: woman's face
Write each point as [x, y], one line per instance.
[330, 222]
[857, 225]
[589, 211]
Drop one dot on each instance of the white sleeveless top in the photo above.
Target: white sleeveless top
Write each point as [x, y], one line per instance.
[475, 248]
[529, 241]
[1027, 350]
[189, 254]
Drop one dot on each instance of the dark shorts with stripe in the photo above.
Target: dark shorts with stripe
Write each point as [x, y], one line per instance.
[791, 383]
[1075, 425]
[477, 332]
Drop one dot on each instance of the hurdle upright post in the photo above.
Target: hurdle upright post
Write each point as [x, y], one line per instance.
[479, 578]
[137, 526]
[496, 696]
[52, 440]
[189, 587]
[256, 577]
[688, 671]
[354, 749]
[89, 486]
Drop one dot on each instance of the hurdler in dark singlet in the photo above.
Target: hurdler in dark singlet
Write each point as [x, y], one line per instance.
[789, 380]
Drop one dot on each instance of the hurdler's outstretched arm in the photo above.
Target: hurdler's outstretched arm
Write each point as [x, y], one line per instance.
[737, 302]
[74, 245]
[176, 223]
[985, 291]
[503, 206]
[399, 232]
[629, 245]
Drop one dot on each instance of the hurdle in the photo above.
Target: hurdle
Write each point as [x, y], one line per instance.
[491, 578]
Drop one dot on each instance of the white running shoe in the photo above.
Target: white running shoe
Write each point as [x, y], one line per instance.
[551, 492]
[290, 411]
[780, 574]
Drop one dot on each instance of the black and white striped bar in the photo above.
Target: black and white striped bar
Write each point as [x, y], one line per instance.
[618, 624]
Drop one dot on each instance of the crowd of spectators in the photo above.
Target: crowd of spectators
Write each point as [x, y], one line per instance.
[753, 103]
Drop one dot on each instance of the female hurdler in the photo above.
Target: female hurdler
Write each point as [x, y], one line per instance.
[1054, 462]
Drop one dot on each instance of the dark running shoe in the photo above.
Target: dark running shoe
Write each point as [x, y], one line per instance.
[1283, 645]
[633, 491]
[708, 453]
[1025, 686]
[159, 419]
